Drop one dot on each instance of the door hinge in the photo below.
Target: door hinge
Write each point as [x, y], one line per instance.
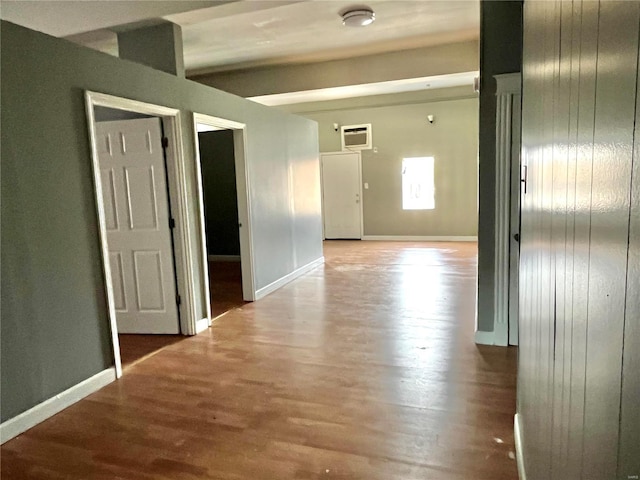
[172, 223]
[165, 142]
[178, 300]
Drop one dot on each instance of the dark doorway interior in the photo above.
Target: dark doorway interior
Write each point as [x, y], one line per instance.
[217, 160]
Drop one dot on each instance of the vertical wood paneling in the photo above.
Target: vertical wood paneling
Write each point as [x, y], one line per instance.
[584, 86]
[529, 334]
[613, 144]
[560, 161]
[546, 274]
[629, 457]
[580, 79]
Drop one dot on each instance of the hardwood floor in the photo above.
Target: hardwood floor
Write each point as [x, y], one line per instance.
[362, 369]
[225, 279]
[136, 348]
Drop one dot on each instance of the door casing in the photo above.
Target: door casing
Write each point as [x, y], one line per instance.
[244, 206]
[177, 172]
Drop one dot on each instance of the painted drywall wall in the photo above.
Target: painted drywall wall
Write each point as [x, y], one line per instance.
[54, 328]
[400, 129]
[158, 46]
[500, 52]
[413, 63]
[578, 382]
[217, 159]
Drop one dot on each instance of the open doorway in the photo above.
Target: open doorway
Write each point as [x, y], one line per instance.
[140, 186]
[172, 275]
[223, 195]
[222, 233]
[131, 153]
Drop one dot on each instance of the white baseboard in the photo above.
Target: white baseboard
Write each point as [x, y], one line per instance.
[484, 338]
[223, 258]
[23, 422]
[405, 238]
[517, 434]
[202, 325]
[272, 287]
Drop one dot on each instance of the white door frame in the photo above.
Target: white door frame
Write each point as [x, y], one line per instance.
[514, 245]
[505, 298]
[244, 205]
[178, 193]
[359, 186]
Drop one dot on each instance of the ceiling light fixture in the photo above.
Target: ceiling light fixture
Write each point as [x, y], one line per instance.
[358, 17]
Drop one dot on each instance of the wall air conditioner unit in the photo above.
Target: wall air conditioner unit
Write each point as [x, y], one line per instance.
[356, 137]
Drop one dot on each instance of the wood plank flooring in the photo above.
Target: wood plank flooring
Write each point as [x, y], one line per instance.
[135, 348]
[363, 369]
[225, 279]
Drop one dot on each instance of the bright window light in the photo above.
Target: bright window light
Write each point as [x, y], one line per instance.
[418, 188]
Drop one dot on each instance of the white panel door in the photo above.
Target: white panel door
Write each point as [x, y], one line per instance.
[341, 195]
[136, 206]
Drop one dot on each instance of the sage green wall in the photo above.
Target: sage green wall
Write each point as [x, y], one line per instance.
[400, 129]
[157, 46]
[54, 327]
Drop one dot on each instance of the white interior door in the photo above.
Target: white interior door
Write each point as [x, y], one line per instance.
[136, 207]
[341, 181]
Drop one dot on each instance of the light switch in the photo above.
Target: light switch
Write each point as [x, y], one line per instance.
[366, 186]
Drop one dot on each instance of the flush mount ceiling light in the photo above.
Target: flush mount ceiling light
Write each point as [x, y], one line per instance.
[358, 17]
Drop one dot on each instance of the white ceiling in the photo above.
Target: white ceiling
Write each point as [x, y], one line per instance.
[248, 34]
[225, 35]
[61, 18]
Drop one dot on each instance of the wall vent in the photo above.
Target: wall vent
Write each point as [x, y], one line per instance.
[356, 137]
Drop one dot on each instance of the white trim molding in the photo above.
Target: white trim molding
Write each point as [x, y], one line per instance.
[508, 97]
[484, 338]
[421, 238]
[35, 415]
[243, 186]
[223, 258]
[202, 324]
[272, 287]
[517, 435]
[178, 188]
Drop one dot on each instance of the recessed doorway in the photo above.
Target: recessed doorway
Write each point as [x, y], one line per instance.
[222, 183]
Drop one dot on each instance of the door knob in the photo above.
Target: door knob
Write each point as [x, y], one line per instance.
[516, 237]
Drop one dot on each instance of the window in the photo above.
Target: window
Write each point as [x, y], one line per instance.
[418, 189]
